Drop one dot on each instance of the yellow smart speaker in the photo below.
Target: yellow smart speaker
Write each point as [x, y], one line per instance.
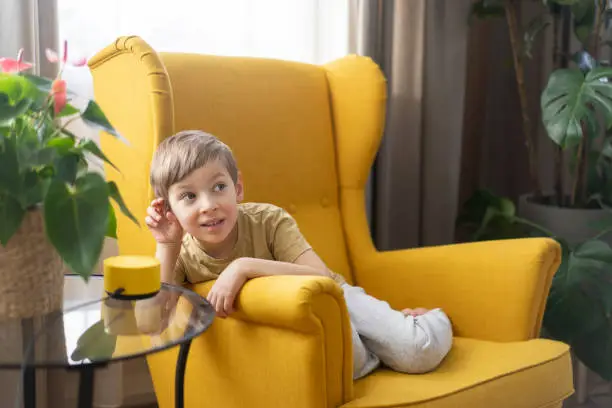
[132, 277]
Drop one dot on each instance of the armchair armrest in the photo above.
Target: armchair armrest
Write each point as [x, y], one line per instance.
[493, 290]
[300, 303]
[288, 341]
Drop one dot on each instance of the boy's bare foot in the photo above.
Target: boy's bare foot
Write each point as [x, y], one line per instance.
[415, 312]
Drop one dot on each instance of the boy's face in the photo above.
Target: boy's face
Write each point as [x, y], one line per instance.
[206, 205]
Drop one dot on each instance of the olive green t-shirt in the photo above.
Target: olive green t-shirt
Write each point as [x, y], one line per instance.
[265, 231]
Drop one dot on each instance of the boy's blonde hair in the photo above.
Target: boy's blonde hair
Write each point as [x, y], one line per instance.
[180, 154]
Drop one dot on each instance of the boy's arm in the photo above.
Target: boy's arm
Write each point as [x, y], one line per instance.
[308, 263]
[168, 254]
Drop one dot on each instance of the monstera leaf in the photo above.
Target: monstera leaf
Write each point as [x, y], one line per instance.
[571, 99]
[580, 304]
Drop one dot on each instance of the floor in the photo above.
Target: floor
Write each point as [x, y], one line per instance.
[600, 396]
[593, 402]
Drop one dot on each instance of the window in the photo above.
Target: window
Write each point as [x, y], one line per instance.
[314, 31]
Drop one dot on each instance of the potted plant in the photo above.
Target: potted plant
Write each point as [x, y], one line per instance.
[54, 211]
[576, 112]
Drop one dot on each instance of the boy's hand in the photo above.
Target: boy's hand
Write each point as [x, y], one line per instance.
[224, 291]
[419, 311]
[153, 315]
[163, 224]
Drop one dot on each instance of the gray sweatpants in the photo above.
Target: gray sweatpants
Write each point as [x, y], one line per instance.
[404, 343]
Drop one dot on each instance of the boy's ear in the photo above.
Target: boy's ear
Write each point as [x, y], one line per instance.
[239, 188]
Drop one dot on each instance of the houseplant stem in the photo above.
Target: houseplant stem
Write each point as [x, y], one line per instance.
[561, 30]
[519, 70]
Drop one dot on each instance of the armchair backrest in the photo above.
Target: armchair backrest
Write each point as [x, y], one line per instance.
[278, 117]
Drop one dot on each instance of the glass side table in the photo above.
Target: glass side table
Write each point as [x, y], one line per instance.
[94, 330]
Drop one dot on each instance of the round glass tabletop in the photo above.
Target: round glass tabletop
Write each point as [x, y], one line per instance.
[93, 328]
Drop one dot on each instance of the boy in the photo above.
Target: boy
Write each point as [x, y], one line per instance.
[204, 233]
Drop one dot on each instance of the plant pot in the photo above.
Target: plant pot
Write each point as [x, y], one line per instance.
[31, 272]
[573, 225]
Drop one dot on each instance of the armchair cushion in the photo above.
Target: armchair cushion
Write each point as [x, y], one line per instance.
[477, 373]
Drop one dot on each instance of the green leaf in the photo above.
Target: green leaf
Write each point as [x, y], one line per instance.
[486, 216]
[570, 310]
[16, 88]
[35, 188]
[594, 249]
[92, 147]
[95, 344]
[68, 110]
[16, 95]
[31, 153]
[584, 18]
[594, 349]
[536, 26]
[113, 192]
[43, 84]
[10, 180]
[567, 99]
[62, 145]
[94, 117]
[66, 167]
[11, 216]
[111, 229]
[76, 221]
[484, 9]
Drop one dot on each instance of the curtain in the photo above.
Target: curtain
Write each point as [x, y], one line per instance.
[31, 25]
[312, 31]
[414, 185]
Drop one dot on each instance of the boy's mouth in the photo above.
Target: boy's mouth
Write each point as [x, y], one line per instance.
[212, 223]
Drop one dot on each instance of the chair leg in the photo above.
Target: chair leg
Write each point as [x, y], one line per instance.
[582, 393]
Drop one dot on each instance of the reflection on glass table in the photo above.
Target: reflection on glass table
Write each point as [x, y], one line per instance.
[94, 330]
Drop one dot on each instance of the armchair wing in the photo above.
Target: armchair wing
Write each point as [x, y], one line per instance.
[491, 290]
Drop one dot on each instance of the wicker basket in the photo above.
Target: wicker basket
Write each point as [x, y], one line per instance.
[31, 272]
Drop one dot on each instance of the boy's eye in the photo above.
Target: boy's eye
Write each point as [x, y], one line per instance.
[188, 196]
[220, 187]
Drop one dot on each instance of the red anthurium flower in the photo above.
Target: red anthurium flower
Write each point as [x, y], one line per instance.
[58, 87]
[11, 66]
[53, 57]
[58, 90]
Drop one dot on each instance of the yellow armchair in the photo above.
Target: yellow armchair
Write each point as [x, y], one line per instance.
[305, 137]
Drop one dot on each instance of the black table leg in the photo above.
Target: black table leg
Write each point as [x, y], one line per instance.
[86, 387]
[29, 388]
[179, 379]
[29, 373]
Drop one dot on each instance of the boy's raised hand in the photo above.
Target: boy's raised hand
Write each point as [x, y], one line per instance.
[163, 224]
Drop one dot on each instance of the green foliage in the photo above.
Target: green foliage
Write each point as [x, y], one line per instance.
[487, 9]
[44, 166]
[579, 304]
[534, 28]
[571, 99]
[576, 107]
[95, 344]
[584, 12]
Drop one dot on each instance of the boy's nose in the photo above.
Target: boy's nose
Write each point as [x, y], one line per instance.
[207, 205]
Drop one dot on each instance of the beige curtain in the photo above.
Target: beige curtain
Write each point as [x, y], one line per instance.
[31, 25]
[421, 46]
